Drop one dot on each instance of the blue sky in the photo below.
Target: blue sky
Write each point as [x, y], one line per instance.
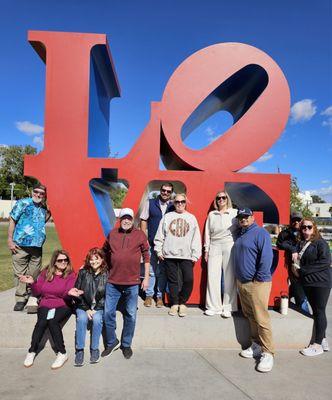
[149, 39]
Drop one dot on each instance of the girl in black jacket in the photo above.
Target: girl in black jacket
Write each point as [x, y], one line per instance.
[90, 284]
[316, 278]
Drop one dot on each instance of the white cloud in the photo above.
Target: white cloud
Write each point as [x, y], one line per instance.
[324, 192]
[325, 181]
[38, 141]
[29, 128]
[303, 111]
[327, 112]
[211, 134]
[265, 157]
[249, 168]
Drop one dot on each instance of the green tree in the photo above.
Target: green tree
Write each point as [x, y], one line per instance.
[295, 202]
[12, 170]
[317, 199]
[117, 196]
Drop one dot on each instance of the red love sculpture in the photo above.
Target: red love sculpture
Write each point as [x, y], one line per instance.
[80, 82]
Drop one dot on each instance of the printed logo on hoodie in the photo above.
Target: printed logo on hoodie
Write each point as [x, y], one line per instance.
[179, 227]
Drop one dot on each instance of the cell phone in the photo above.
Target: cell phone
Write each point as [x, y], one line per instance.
[50, 314]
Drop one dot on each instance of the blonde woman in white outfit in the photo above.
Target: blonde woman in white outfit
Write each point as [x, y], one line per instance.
[220, 229]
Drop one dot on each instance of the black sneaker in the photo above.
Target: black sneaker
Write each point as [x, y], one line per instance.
[79, 358]
[127, 352]
[19, 306]
[109, 350]
[95, 356]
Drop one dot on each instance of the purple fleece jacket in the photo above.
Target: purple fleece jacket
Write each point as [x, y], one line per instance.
[53, 294]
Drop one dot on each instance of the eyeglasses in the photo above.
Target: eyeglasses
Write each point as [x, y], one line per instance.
[304, 227]
[166, 191]
[62, 260]
[221, 197]
[180, 202]
[40, 192]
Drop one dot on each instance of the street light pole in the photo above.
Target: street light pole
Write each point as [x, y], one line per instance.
[12, 184]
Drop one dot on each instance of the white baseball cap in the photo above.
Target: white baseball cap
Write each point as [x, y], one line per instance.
[126, 212]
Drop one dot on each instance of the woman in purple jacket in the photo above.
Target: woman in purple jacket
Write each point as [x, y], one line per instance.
[52, 287]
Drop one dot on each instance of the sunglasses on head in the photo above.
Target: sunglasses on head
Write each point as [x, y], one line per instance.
[166, 191]
[180, 201]
[221, 197]
[309, 227]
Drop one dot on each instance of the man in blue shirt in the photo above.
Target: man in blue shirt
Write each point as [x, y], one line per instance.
[26, 236]
[253, 261]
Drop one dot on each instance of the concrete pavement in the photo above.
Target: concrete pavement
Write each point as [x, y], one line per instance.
[167, 374]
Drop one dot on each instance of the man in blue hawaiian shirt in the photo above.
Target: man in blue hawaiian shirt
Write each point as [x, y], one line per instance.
[26, 236]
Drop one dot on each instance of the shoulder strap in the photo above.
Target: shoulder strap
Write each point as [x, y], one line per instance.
[304, 249]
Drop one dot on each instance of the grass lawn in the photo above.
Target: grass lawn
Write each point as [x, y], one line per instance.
[6, 272]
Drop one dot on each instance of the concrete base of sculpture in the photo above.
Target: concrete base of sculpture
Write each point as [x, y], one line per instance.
[156, 329]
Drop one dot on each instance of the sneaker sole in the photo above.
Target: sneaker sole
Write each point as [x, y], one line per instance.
[115, 348]
[182, 315]
[28, 366]
[95, 362]
[264, 370]
[312, 355]
[54, 368]
[245, 356]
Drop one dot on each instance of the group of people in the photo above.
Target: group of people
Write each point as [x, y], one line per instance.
[237, 251]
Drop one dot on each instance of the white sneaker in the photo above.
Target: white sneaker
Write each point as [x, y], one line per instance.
[59, 361]
[174, 310]
[325, 345]
[253, 351]
[29, 359]
[265, 363]
[313, 350]
[209, 313]
[226, 314]
[182, 310]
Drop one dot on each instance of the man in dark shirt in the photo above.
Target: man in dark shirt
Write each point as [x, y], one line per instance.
[124, 248]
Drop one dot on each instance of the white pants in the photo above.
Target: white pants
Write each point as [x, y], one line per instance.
[220, 260]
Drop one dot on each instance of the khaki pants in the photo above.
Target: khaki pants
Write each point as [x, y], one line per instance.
[27, 261]
[221, 260]
[254, 297]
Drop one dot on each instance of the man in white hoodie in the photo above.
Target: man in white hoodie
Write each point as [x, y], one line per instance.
[178, 242]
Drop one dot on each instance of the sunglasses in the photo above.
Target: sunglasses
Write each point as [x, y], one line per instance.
[304, 227]
[180, 202]
[221, 197]
[40, 192]
[166, 191]
[62, 260]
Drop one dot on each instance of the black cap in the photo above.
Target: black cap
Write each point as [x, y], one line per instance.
[296, 215]
[244, 211]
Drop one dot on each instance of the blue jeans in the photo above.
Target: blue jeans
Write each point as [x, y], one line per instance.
[157, 275]
[82, 325]
[129, 295]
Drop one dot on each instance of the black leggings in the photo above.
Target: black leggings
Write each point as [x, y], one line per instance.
[318, 297]
[180, 279]
[54, 326]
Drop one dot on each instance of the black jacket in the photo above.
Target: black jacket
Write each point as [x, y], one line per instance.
[287, 240]
[315, 264]
[94, 290]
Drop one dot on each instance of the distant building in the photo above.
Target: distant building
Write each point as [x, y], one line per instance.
[320, 209]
